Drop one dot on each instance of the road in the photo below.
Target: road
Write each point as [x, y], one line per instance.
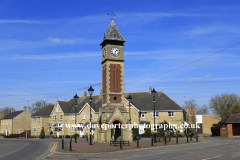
[24, 149]
[209, 148]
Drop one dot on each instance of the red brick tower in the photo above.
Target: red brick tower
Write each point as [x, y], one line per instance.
[112, 68]
[112, 110]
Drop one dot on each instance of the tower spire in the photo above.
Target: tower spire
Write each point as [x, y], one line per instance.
[111, 15]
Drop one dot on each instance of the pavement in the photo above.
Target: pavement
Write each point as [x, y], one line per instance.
[84, 147]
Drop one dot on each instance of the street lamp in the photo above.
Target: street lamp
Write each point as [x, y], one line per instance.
[129, 98]
[154, 113]
[90, 91]
[75, 99]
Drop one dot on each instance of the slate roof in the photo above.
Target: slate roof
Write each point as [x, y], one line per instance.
[45, 112]
[12, 115]
[231, 118]
[112, 33]
[144, 101]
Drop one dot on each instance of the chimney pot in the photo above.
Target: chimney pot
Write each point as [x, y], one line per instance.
[150, 89]
[85, 94]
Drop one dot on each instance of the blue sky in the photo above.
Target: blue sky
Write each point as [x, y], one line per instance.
[50, 50]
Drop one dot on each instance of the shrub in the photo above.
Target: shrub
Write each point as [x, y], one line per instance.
[60, 137]
[172, 133]
[180, 135]
[54, 136]
[215, 129]
[93, 135]
[67, 136]
[77, 135]
[42, 134]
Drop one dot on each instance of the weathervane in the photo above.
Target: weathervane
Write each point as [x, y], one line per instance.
[112, 14]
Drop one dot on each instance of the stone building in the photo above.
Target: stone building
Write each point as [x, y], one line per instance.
[16, 122]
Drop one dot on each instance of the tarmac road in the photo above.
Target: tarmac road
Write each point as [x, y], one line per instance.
[208, 149]
[21, 149]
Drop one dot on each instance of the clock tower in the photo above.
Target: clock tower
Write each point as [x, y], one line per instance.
[112, 111]
[112, 68]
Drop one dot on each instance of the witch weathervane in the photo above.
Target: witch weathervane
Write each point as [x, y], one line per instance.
[112, 14]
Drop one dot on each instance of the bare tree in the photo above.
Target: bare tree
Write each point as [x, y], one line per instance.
[190, 103]
[218, 104]
[37, 106]
[204, 109]
[5, 110]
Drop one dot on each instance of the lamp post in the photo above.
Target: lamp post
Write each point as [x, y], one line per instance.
[27, 117]
[90, 91]
[129, 98]
[75, 99]
[154, 113]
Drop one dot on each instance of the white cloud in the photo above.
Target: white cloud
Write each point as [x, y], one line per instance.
[58, 40]
[54, 40]
[208, 75]
[25, 21]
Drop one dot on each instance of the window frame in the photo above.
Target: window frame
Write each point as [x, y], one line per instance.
[54, 117]
[3, 122]
[83, 116]
[34, 119]
[155, 115]
[18, 131]
[60, 117]
[38, 119]
[7, 122]
[171, 114]
[39, 130]
[223, 126]
[34, 129]
[143, 114]
[73, 117]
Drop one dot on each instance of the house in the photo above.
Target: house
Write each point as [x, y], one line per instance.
[41, 120]
[16, 122]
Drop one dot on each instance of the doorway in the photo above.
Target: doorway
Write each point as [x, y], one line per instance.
[117, 129]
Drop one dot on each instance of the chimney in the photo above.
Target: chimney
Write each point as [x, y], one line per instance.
[24, 108]
[229, 108]
[85, 94]
[100, 92]
[150, 89]
[12, 110]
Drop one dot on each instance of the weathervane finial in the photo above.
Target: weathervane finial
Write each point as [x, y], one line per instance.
[112, 14]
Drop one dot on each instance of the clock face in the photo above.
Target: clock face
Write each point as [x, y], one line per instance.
[115, 51]
[104, 53]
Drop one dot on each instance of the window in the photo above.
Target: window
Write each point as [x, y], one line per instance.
[54, 117]
[60, 117]
[223, 126]
[72, 129]
[73, 117]
[38, 129]
[171, 114]
[157, 114]
[7, 122]
[38, 119]
[18, 131]
[83, 116]
[34, 129]
[10, 122]
[34, 119]
[3, 122]
[143, 114]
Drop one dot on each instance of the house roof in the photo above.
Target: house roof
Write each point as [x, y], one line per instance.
[12, 115]
[144, 101]
[231, 118]
[45, 112]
